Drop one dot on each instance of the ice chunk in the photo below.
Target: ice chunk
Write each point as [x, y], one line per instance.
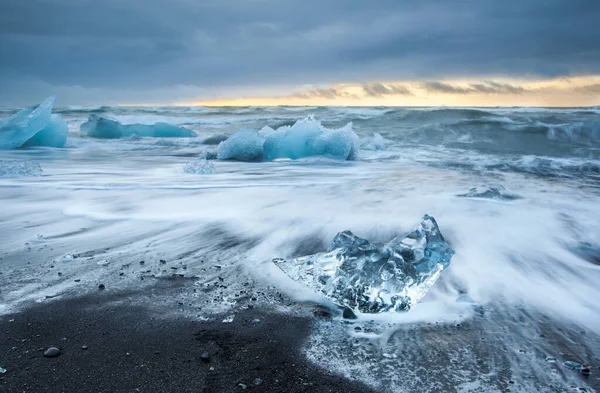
[35, 126]
[376, 143]
[244, 145]
[305, 138]
[199, 167]
[498, 193]
[309, 138]
[53, 135]
[18, 168]
[101, 127]
[374, 278]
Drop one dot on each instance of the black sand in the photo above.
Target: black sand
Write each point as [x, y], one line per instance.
[134, 349]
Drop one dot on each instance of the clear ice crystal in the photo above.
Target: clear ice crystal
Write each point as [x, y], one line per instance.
[373, 278]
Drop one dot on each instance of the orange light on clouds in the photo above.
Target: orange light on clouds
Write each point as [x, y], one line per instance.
[573, 91]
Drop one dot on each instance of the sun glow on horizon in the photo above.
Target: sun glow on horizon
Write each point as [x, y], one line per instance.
[557, 92]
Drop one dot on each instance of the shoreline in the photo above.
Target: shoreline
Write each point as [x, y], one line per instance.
[131, 348]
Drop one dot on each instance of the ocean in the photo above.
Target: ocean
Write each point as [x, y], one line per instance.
[526, 241]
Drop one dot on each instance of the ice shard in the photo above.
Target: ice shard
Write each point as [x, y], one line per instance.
[35, 126]
[374, 278]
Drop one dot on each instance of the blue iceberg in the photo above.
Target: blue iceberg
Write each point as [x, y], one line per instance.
[244, 145]
[374, 278]
[101, 127]
[305, 138]
[35, 126]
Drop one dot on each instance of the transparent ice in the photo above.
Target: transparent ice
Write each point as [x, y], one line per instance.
[373, 278]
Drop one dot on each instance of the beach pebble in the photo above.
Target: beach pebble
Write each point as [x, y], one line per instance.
[205, 357]
[349, 314]
[52, 352]
[84, 347]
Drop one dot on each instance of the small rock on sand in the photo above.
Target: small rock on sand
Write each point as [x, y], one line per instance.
[52, 352]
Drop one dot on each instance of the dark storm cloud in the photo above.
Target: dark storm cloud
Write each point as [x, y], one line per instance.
[143, 45]
[378, 89]
[487, 87]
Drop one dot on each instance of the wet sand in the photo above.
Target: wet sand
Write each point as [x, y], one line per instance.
[131, 348]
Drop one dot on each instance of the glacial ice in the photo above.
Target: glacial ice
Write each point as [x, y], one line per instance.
[101, 127]
[19, 168]
[373, 278]
[244, 145]
[35, 126]
[305, 138]
[308, 138]
[199, 167]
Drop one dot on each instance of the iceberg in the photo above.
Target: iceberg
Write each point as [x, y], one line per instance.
[200, 167]
[35, 126]
[308, 138]
[305, 138]
[244, 145]
[101, 127]
[373, 278]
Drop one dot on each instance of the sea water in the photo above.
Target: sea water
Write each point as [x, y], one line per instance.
[529, 265]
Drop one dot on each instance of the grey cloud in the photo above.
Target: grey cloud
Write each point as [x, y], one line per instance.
[487, 87]
[218, 45]
[378, 89]
[440, 87]
[328, 93]
[592, 89]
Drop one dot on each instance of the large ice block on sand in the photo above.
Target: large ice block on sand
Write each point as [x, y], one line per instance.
[305, 138]
[35, 126]
[373, 278]
[101, 127]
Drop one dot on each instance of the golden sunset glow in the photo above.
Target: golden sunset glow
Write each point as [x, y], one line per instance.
[559, 92]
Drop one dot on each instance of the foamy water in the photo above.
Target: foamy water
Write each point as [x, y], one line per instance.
[530, 264]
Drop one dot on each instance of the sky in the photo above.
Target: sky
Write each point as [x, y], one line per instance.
[300, 52]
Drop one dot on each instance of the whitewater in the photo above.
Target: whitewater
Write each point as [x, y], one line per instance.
[515, 191]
